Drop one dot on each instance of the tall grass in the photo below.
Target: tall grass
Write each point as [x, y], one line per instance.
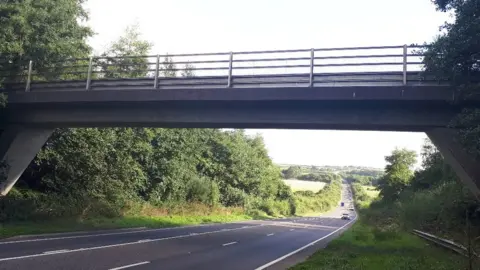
[365, 248]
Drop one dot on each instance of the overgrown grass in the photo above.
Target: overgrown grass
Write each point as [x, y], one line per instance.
[35, 213]
[364, 247]
[371, 191]
[69, 225]
[361, 197]
[52, 218]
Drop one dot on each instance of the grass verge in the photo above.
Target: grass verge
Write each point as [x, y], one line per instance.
[364, 247]
[70, 225]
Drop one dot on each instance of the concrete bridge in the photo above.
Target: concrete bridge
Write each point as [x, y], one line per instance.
[343, 88]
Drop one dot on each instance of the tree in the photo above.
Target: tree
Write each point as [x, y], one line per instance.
[455, 55]
[3, 100]
[292, 172]
[169, 68]
[398, 173]
[99, 163]
[124, 57]
[188, 71]
[434, 169]
[45, 31]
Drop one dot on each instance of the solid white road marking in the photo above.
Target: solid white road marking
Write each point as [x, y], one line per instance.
[270, 234]
[144, 240]
[120, 245]
[302, 248]
[228, 244]
[102, 234]
[55, 251]
[130, 265]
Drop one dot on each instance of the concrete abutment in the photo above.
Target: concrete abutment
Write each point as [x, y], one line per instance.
[18, 147]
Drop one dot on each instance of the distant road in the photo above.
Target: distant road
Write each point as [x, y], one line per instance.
[275, 244]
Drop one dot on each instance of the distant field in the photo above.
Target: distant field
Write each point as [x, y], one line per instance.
[371, 191]
[296, 185]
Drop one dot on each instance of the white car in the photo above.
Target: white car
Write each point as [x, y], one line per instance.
[345, 216]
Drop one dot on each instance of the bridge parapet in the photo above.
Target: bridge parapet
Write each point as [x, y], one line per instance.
[325, 67]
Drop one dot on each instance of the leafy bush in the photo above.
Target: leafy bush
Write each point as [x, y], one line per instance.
[323, 200]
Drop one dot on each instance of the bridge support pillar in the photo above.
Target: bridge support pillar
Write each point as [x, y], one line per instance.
[18, 147]
[465, 165]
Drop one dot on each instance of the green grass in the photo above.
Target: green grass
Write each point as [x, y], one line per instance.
[363, 247]
[371, 191]
[297, 185]
[70, 225]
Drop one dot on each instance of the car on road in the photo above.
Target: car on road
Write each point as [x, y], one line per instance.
[351, 209]
[345, 216]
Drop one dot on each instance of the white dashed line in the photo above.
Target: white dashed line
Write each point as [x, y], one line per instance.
[270, 234]
[228, 244]
[292, 229]
[130, 265]
[118, 245]
[55, 251]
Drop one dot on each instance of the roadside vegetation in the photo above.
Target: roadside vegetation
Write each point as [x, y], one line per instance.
[380, 239]
[364, 247]
[431, 199]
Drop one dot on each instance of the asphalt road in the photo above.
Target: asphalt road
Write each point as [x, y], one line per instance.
[273, 244]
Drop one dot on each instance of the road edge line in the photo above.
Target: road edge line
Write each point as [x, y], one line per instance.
[130, 265]
[302, 248]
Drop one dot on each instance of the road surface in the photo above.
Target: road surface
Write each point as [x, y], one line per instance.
[274, 244]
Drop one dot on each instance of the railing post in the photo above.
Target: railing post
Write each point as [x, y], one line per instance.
[89, 73]
[312, 66]
[405, 64]
[230, 69]
[29, 76]
[157, 70]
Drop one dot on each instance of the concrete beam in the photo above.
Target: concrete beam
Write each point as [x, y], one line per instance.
[18, 147]
[131, 94]
[290, 115]
[466, 166]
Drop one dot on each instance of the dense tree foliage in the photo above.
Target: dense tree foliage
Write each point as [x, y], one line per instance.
[113, 62]
[45, 31]
[292, 172]
[3, 100]
[361, 179]
[434, 200]
[398, 173]
[320, 177]
[308, 202]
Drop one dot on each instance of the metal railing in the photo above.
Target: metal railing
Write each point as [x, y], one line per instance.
[397, 65]
[448, 244]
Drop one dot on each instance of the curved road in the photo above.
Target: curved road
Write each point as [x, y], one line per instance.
[274, 244]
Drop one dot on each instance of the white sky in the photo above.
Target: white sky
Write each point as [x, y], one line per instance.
[182, 26]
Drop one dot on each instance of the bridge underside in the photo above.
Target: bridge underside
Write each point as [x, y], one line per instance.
[389, 116]
[406, 108]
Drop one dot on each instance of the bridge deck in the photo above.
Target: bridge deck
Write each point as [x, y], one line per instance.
[363, 79]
